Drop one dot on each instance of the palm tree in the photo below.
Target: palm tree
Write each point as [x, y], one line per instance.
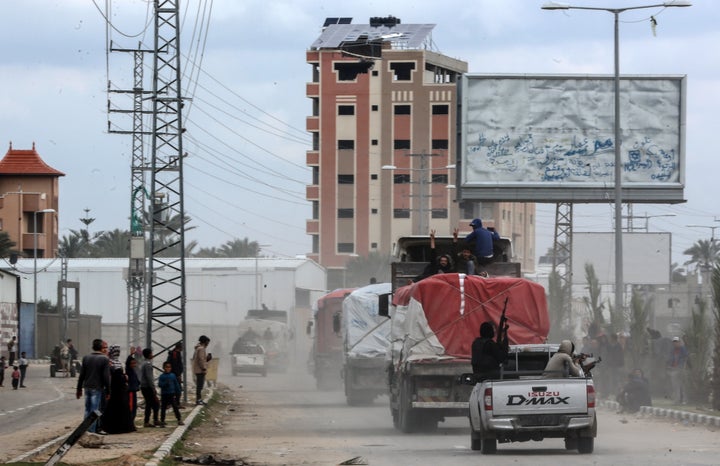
[76, 244]
[208, 252]
[592, 302]
[704, 254]
[239, 248]
[115, 243]
[6, 244]
[715, 387]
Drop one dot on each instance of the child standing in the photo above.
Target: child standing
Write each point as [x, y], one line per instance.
[15, 377]
[169, 393]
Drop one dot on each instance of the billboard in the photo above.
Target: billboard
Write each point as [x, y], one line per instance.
[551, 138]
[646, 257]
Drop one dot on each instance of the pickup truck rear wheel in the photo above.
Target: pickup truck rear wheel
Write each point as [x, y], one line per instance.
[488, 444]
[585, 445]
[475, 440]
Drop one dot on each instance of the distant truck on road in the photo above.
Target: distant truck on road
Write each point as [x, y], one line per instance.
[270, 329]
[366, 337]
[326, 358]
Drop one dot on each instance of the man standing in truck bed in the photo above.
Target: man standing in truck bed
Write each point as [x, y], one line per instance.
[483, 239]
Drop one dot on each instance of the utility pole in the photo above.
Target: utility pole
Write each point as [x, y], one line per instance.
[135, 277]
[166, 275]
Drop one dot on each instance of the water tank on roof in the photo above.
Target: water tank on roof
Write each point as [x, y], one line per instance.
[388, 21]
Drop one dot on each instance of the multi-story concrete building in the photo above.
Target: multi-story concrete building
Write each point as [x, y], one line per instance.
[29, 198]
[384, 129]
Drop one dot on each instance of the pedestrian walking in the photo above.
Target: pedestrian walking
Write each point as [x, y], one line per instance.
[677, 361]
[23, 365]
[94, 378]
[200, 366]
[147, 387]
[169, 392]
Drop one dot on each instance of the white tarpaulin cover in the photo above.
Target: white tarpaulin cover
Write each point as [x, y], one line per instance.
[366, 334]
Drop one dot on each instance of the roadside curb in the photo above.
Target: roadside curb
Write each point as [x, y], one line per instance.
[680, 415]
[177, 434]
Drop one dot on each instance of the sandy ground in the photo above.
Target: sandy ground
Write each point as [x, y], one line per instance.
[113, 450]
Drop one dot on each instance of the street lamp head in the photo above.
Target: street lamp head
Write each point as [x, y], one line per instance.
[555, 6]
[389, 167]
[46, 211]
[679, 3]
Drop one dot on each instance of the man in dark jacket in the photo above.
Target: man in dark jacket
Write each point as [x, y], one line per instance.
[441, 264]
[94, 378]
[483, 239]
[487, 354]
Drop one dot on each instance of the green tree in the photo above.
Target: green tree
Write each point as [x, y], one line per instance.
[6, 244]
[239, 248]
[559, 307]
[208, 252]
[715, 384]
[697, 341]
[704, 254]
[639, 313]
[592, 302]
[115, 243]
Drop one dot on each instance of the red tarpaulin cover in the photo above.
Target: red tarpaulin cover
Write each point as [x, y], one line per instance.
[455, 305]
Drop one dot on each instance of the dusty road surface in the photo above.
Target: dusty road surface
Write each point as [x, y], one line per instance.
[282, 419]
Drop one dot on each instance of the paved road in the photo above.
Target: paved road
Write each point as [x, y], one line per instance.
[282, 419]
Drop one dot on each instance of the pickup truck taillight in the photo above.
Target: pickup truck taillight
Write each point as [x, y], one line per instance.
[590, 396]
[487, 399]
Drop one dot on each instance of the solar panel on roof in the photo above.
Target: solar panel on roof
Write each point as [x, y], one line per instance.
[413, 35]
[329, 21]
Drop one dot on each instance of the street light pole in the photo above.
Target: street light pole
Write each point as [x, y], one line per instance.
[35, 247]
[257, 275]
[619, 285]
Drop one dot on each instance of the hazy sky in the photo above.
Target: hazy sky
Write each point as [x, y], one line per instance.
[245, 73]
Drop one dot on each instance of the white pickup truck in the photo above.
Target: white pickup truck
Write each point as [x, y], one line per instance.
[526, 405]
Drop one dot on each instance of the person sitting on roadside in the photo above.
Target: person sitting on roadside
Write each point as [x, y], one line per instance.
[635, 393]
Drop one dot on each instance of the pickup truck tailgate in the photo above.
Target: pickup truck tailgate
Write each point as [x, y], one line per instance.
[539, 396]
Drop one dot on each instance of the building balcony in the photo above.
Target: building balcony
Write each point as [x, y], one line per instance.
[28, 242]
[312, 158]
[312, 193]
[312, 89]
[312, 227]
[312, 123]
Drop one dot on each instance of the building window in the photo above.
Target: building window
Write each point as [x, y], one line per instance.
[401, 213]
[373, 142]
[373, 211]
[315, 210]
[346, 144]
[374, 176]
[346, 247]
[440, 109]
[402, 143]
[315, 244]
[402, 71]
[346, 110]
[346, 179]
[315, 175]
[401, 178]
[346, 213]
[439, 143]
[531, 219]
[439, 213]
[374, 108]
[348, 71]
[440, 179]
[402, 110]
[373, 245]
